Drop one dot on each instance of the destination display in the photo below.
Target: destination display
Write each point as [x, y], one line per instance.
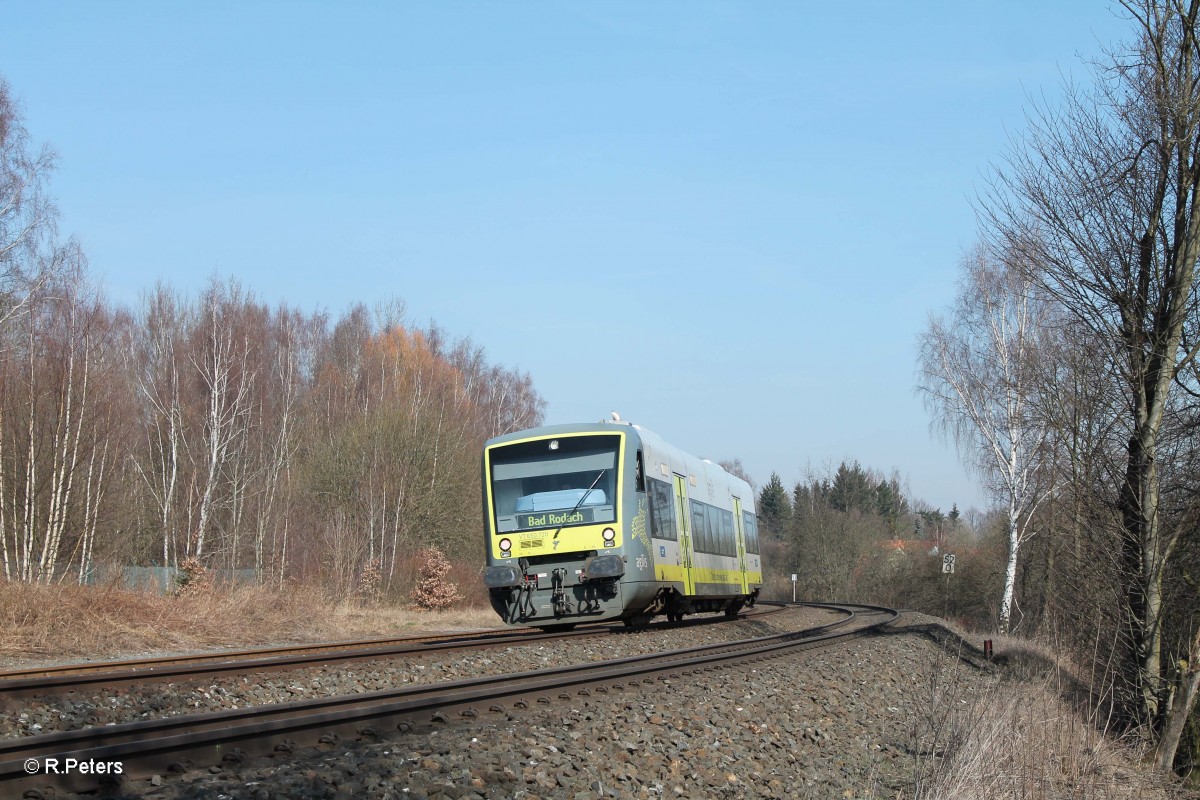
[580, 516]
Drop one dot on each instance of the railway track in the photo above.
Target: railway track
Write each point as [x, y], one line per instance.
[160, 662]
[118, 675]
[158, 746]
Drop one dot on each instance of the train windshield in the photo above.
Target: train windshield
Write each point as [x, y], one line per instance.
[555, 482]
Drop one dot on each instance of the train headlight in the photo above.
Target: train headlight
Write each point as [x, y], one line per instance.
[506, 544]
[610, 537]
[499, 577]
[605, 566]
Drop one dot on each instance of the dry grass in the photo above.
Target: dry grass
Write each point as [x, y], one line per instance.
[1022, 734]
[353, 621]
[61, 623]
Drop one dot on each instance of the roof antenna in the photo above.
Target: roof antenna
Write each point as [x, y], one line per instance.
[616, 417]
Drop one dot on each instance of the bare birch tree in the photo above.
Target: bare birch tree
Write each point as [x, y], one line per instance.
[27, 216]
[55, 428]
[44, 403]
[977, 373]
[158, 351]
[292, 347]
[224, 367]
[65, 446]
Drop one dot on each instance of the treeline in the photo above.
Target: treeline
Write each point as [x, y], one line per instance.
[221, 431]
[855, 535]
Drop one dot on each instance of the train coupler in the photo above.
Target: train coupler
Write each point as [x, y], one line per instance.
[558, 594]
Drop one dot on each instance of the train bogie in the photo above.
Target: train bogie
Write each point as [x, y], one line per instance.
[586, 523]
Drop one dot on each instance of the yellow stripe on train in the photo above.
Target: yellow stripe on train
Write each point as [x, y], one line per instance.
[675, 574]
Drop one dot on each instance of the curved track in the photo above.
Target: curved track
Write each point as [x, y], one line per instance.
[116, 675]
[158, 746]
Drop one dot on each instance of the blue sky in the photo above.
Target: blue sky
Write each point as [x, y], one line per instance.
[728, 221]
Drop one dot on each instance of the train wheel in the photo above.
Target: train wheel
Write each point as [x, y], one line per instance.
[636, 622]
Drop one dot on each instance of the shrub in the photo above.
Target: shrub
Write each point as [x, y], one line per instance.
[370, 582]
[194, 578]
[434, 590]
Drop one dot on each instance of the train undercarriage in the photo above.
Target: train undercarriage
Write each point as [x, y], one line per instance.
[589, 588]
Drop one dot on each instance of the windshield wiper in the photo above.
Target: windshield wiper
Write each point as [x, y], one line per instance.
[581, 499]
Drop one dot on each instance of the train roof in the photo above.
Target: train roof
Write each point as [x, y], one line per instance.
[553, 430]
[648, 438]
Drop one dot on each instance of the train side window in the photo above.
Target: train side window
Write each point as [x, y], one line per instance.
[662, 511]
[714, 526]
[714, 531]
[700, 537]
[751, 525]
[727, 535]
[640, 478]
[714, 521]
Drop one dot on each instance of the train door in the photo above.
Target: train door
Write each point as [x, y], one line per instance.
[685, 534]
[740, 536]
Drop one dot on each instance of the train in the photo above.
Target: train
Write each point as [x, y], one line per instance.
[603, 522]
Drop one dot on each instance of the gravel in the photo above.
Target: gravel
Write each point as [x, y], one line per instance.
[40, 715]
[841, 722]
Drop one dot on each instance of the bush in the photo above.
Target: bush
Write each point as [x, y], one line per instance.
[194, 578]
[370, 582]
[434, 590]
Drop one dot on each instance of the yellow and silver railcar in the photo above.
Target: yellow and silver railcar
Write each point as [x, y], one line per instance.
[586, 523]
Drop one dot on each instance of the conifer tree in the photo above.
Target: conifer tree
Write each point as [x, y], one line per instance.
[774, 506]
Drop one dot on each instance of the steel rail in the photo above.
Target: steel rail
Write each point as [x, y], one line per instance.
[150, 671]
[72, 677]
[158, 662]
[156, 746]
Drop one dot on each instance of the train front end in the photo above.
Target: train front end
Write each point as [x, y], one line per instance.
[565, 527]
